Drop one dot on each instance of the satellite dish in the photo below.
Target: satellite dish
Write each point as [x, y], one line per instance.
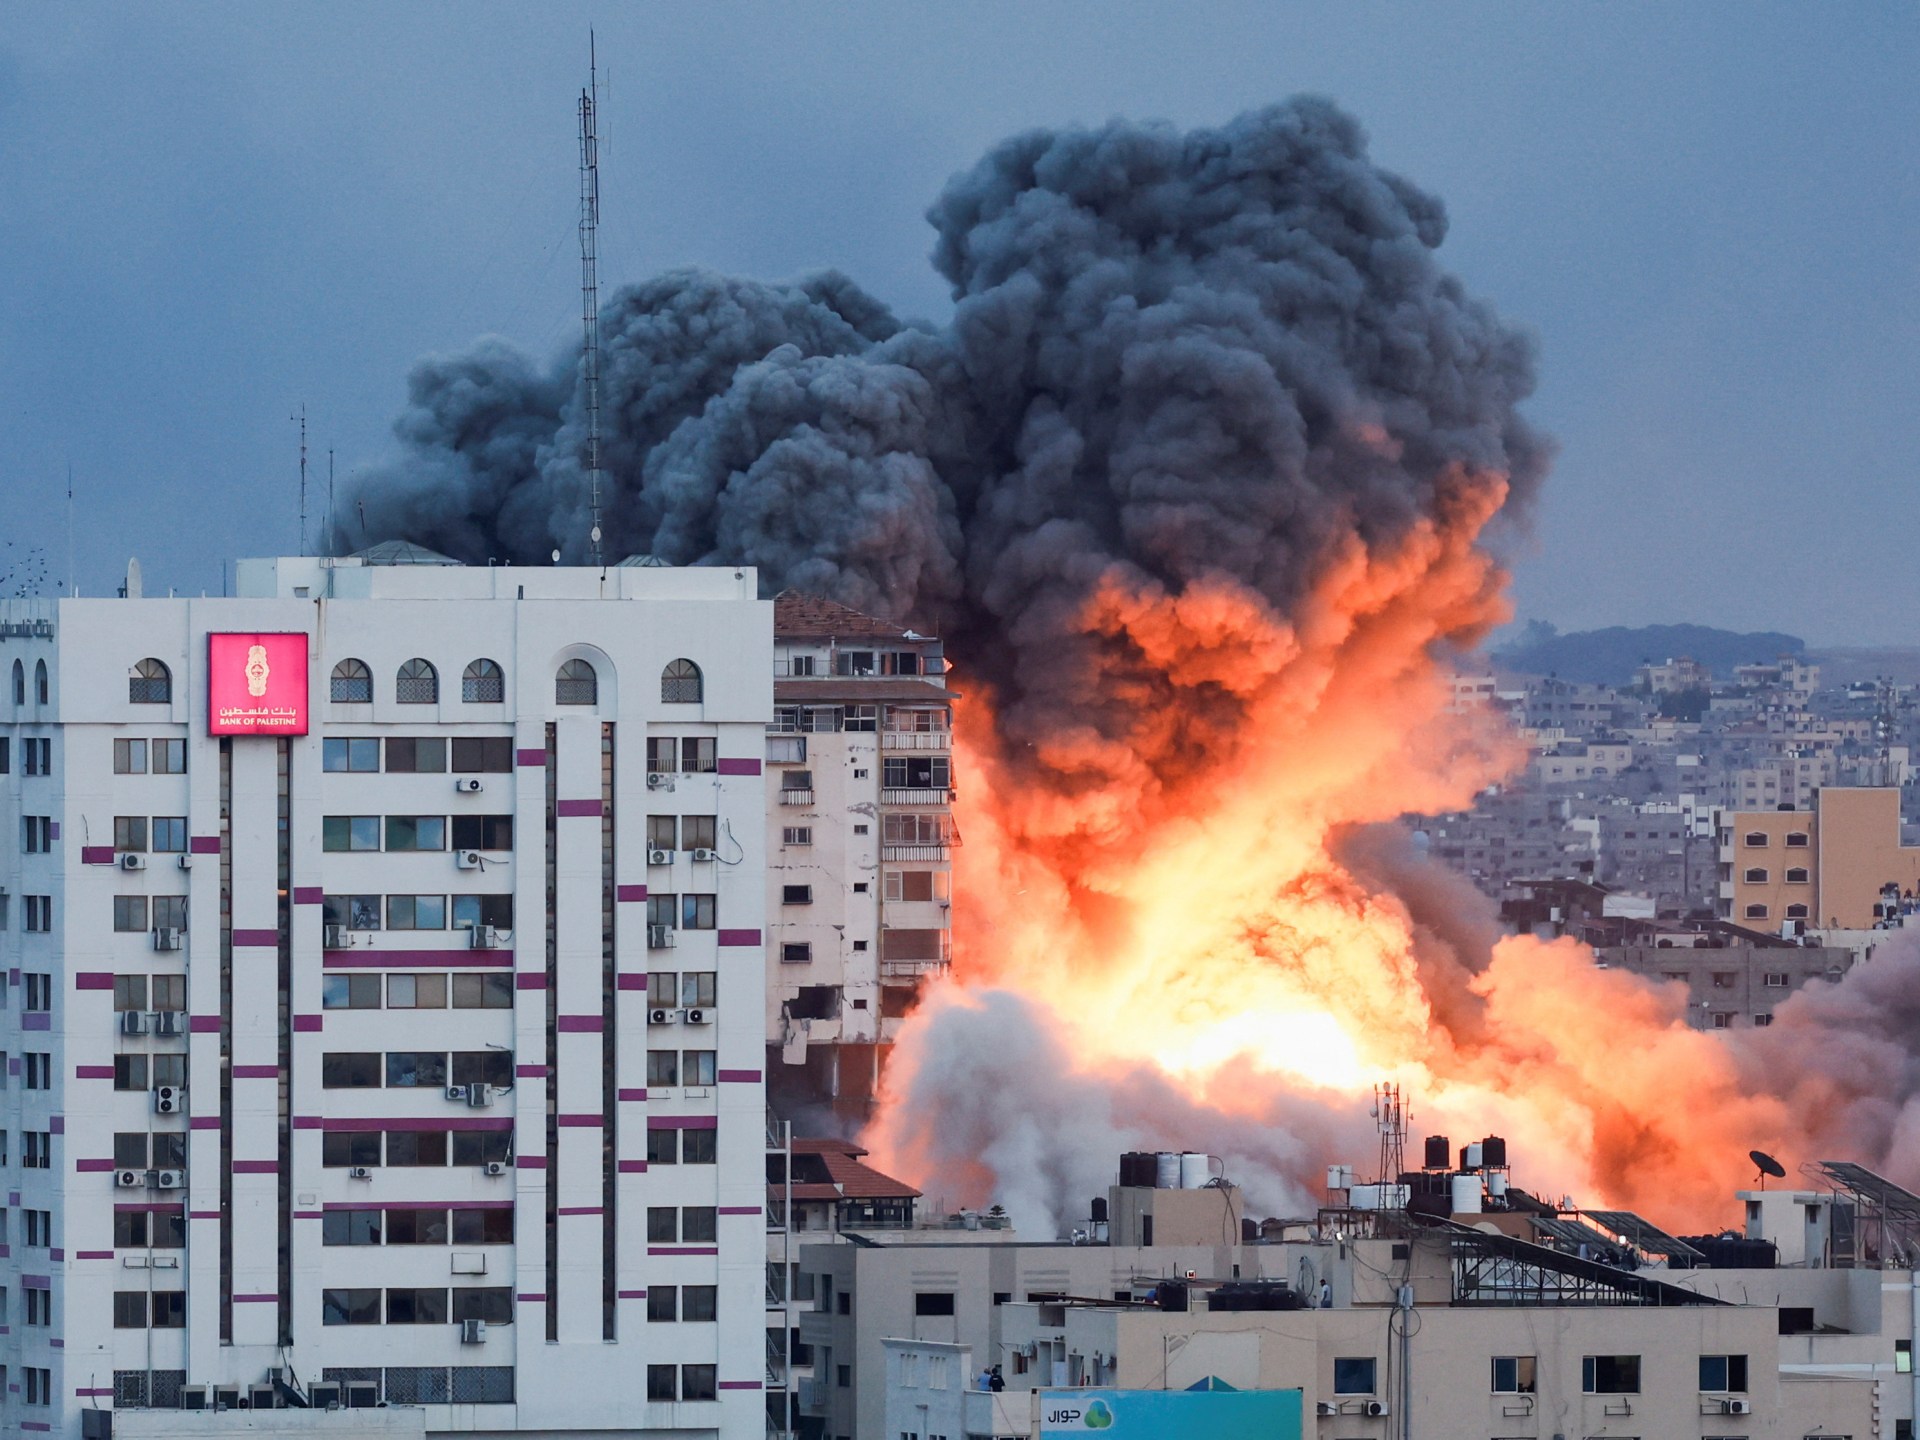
[1767, 1166]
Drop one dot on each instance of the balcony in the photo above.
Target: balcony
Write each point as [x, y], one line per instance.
[911, 969]
[913, 852]
[916, 797]
[794, 795]
[916, 739]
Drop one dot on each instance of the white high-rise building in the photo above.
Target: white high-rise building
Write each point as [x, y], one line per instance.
[385, 1004]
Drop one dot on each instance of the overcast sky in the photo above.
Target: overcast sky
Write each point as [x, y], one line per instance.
[1708, 214]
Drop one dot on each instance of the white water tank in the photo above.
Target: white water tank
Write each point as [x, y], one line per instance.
[1364, 1197]
[1472, 1158]
[1497, 1184]
[1166, 1170]
[1339, 1177]
[1466, 1194]
[1196, 1169]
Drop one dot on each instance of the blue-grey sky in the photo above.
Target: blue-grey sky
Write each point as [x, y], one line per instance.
[1708, 214]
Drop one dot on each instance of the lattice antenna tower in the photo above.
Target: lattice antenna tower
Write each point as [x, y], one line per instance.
[1391, 1118]
[302, 418]
[590, 281]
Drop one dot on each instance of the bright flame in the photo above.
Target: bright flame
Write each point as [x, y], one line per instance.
[1174, 899]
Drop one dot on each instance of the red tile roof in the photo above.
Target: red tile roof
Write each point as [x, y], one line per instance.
[859, 688]
[816, 617]
[849, 1179]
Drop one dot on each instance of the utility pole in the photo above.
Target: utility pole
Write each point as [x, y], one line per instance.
[590, 282]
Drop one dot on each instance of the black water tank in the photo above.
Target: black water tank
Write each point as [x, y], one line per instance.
[1099, 1209]
[1171, 1295]
[1137, 1168]
[1249, 1232]
[1439, 1153]
[1493, 1153]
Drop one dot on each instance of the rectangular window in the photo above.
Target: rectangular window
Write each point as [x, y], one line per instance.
[473, 911]
[39, 914]
[350, 1227]
[129, 1309]
[416, 912]
[796, 835]
[170, 992]
[663, 1225]
[698, 1382]
[916, 829]
[663, 1147]
[170, 912]
[481, 1147]
[39, 1228]
[700, 1302]
[663, 832]
[170, 834]
[697, 832]
[130, 1150]
[483, 1227]
[663, 1302]
[412, 1069]
[483, 755]
[696, 912]
[129, 834]
[350, 832]
[129, 1072]
[483, 832]
[1513, 1374]
[350, 992]
[663, 910]
[697, 1067]
[39, 994]
[421, 755]
[663, 1067]
[36, 1149]
[663, 1382]
[662, 755]
[39, 1307]
[170, 1070]
[663, 989]
[38, 1070]
[697, 989]
[129, 913]
[355, 754]
[1353, 1375]
[491, 1303]
[796, 894]
[915, 885]
[169, 757]
[169, 1309]
[917, 772]
[427, 991]
[482, 1067]
[416, 1227]
[485, 991]
[130, 1229]
[417, 1147]
[1723, 1373]
[355, 912]
[129, 757]
[1610, 1374]
[699, 755]
[697, 1147]
[698, 1225]
[416, 832]
[350, 1307]
[350, 1070]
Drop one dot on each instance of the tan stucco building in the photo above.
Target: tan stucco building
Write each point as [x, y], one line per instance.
[1825, 865]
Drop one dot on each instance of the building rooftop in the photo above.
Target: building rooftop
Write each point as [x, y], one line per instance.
[814, 617]
[834, 1172]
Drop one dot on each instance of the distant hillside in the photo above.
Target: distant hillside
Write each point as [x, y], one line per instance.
[1610, 656]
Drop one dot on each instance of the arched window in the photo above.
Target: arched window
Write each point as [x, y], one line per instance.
[680, 683]
[485, 683]
[352, 683]
[1796, 839]
[1756, 840]
[150, 683]
[40, 682]
[19, 683]
[1756, 912]
[1797, 875]
[1756, 876]
[1796, 912]
[576, 684]
[417, 684]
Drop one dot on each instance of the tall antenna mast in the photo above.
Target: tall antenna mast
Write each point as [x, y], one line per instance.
[1392, 1120]
[70, 590]
[590, 280]
[302, 418]
[331, 533]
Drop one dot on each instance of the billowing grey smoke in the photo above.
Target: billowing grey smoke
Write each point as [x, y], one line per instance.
[1172, 356]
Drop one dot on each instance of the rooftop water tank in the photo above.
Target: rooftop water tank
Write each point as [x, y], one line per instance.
[1466, 1194]
[1166, 1170]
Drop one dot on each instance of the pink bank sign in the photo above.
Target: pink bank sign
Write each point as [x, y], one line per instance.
[257, 684]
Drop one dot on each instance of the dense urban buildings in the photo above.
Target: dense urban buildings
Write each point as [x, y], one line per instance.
[384, 1017]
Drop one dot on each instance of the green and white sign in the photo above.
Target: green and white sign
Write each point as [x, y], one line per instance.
[1173, 1414]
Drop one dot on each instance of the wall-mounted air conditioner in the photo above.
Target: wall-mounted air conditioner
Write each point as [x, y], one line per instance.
[658, 781]
[1736, 1407]
[706, 855]
[262, 1397]
[662, 1017]
[168, 1100]
[473, 1332]
[468, 785]
[133, 862]
[133, 1022]
[485, 937]
[363, 1394]
[660, 937]
[360, 1172]
[699, 1017]
[457, 1094]
[195, 1397]
[495, 1168]
[659, 857]
[185, 862]
[169, 1024]
[324, 1395]
[466, 859]
[130, 1179]
[479, 1096]
[1374, 1407]
[170, 1179]
[166, 938]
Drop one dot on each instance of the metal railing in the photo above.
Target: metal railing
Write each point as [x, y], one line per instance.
[916, 739]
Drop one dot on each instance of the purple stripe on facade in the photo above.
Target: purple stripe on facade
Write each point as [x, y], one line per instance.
[309, 1215]
[412, 959]
[35, 1427]
[256, 1072]
[530, 1162]
[532, 980]
[529, 757]
[37, 1020]
[203, 1215]
[580, 1122]
[204, 1024]
[532, 1299]
[13, 976]
[739, 1209]
[13, 1197]
[309, 895]
[739, 1077]
[256, 938]
[204, 845]
[417, 1205]
[56, 1125]
[629, 1295]
[93, 1072]
[579, 1024]
[631, 982]
[91, 1166]
[256, 1167]
[267, 1299]
[309, 1023]
[86, 1393]
[36, 1282]
[683, 1122]
[578, 1210]
[530, 1072]
[53, 833]
[738, 767]
[93, 980]
[739, 1384]
[13, 1066]
[683, 1250]
[632, 1093]
[204, 1122]
[633, 1167]
[629, 892]
[93, 1254]
[577, 807]
[739, 937]
[411, 1122]
[150, 1207]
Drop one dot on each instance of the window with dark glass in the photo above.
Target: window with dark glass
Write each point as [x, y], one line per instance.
[576, 683]
[416, 1147]
[416, 832]
[350, 1070]
[482, 754]
[354, 754]
[470, 911]
[414, 1068]
[483, 683]
[351, 684]
[417, 755]
[680, 683]
[417, 683]
[350, 1147]
[350, 1307]
[483, 832]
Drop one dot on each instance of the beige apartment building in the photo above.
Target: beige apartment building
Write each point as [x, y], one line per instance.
[1825, 866]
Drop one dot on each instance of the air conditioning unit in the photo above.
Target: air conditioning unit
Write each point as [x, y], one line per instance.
[1374, 1407]
[334, 937]
[129, 1179]
[1326, 1407]
[485, 937]
[1736, 1407]
[133, 862]
[133, 1022]
[473, 1332]
[262, 1397]
[195, 1397]
[466, 859]
[494, 1168]
[324, 1395]
[170, 1024]
[170, 1179]
[363, 1394]
[662, 1017]
[166, 938]
[360, 1172]
[479, 1097]
[167, 1099]
[185, 862]
[226, 1397]
[659, 857]
[457, 1094]
[699, 1017]
[469, 785]
[660, 937]
[704, 854]
[657, 781]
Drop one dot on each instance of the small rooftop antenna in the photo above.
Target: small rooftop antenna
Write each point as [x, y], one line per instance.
[1392, 1120]
[70, 590]
[302, 418]
[590, 281]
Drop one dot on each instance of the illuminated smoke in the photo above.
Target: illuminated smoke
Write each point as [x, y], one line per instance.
[1199, 483]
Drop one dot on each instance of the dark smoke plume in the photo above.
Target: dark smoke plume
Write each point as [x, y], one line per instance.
[1174, 357]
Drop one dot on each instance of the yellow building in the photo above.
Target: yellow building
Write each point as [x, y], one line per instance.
[1826, 865]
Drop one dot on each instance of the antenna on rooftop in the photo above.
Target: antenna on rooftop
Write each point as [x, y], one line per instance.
[1767, 1165]
[590, 281]
[1392, 1120]
[330, 522]
[302, 418]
